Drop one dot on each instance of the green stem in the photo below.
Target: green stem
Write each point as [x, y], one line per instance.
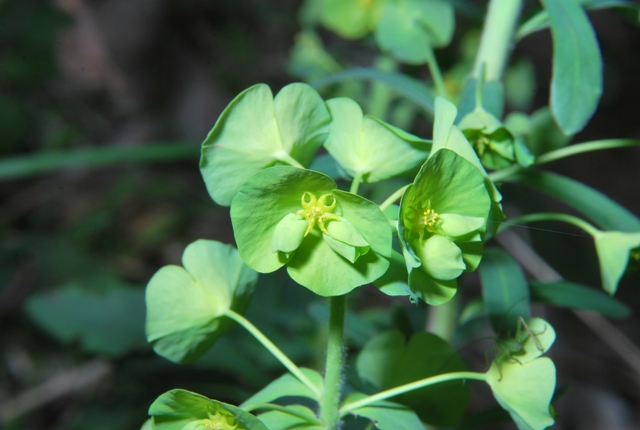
[383, 395]
[580, 223]
[381, 94]
[355, 184]
[280, 408]
[442, 319]
[497, 39]
[436, 74]
[567, 151]
[277, 353]
[287, 158]
[392, 198]
[333, 370]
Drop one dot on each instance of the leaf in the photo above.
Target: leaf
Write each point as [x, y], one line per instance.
[595, 205]
[367, 147]
[351, 19]
[576, 296]
[110, 322]
[395, 282]
[284, 386]
[274, 193]
[492, 98]
[576, 82]
[409, 29]
[504, 289]
[614, 251]
[257, 131]
[186, 306]
[408, 87]
[180, 409]
[299, 418]
[387, 362]
[386, 415]
[525, 391]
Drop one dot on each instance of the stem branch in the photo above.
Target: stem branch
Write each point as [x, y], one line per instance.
[580, 223]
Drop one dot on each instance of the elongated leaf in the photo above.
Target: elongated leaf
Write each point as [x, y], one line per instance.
[286, 385]
[576, 83]
[505, 290]
[298, 418]
[593, 204]
[387, 415]
[407, 87]
[576, 296]
[24, 166]
[540, 21]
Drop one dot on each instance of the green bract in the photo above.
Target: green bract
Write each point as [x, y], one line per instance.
[184, 410]
[522, 381]
[494, 144]
[367, 147]
[332, 241]
[409, 29]
[615, 250]
[186, 306]
[447, 135]
[442, 222]
[351, 19]
[257, 131]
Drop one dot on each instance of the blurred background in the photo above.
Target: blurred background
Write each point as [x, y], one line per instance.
[103, 105]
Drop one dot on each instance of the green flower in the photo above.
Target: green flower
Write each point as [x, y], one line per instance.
[257, 131]
[332, 241]
[443, 217]
[351, 19]
[185, 410]
[493, 142]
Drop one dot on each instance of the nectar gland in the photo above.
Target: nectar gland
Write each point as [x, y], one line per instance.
[317, 211]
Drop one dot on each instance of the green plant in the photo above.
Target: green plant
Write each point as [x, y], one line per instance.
[261, 159]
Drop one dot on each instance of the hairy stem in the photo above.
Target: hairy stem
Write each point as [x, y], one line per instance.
[333, 370]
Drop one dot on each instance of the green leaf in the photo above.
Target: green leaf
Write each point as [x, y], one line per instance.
[257, 131]
[492, 97]
[298, 418]
[525, 391]
[395, 282]
[286, 385]
[504, 289]
[576, 296]
[186, 306]
[386, 415]
[595, 205]
[615, 249]
[351, 19]
[409, 29]
[273, 194]
[576, 82]
[182, 410]
[387, 362]
[367, 147]
[410, 88]
[110, 322]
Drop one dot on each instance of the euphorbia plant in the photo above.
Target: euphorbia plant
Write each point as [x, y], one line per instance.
[287, 211]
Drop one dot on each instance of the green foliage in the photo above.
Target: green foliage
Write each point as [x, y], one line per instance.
[186, 306]
[615, 251]
[387, 415]
[388, 360]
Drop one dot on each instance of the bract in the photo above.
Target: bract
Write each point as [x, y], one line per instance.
[332, 241]
[443, 217]
[186, 306]
[616, 249]
[257, 131]
[495, 144]
[367, 147]
[351, 19]
[185, 410]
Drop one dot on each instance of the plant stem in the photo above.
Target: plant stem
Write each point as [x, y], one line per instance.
[392, 198]
[280, 408]
[355, 184]
[333, 370]
[496, 39]
[438, 82]
[580, 223]
[277, 353]
[432, 380]
[381, 94]
[442, 319]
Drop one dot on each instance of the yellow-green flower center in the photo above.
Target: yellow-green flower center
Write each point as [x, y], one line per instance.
[422, 219]
[218, 421]
[317, 211]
